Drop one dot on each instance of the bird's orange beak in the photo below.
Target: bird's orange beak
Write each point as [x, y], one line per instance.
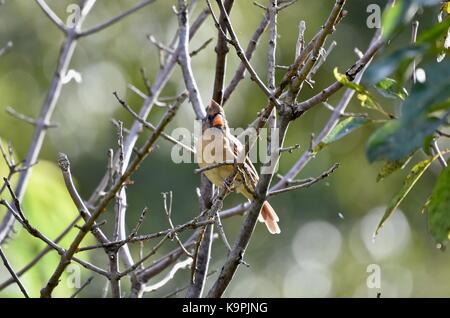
[218, 121]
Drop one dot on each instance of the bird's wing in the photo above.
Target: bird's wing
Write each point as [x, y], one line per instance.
[251, 175]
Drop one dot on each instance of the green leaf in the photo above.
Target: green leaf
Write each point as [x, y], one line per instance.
[427, 145]
[439, 106]
[392, 166]
[435, 90]
[362, 94]
[341, 130]
[439, 208]
[446, 7]
[416, 172]
[389, 64]
[397, 16]
[389, 87]
[397, 139]
[434, 33]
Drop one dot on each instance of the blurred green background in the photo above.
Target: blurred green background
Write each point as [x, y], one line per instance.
[326, 243]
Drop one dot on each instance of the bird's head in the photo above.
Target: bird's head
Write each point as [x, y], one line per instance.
[215, 117]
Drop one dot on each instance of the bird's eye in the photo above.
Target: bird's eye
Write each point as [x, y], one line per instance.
[210, 117]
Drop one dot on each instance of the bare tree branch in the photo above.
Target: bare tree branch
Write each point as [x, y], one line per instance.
[200, 265]
[300, 39]
[150, 126]
[305, 183]
[185, 61]
[64, 165]
[356, 72]
[271, 51]
[45, 115]
[235, 256]
[146, 257]
[44, 252]
[140, 157]
[239, 51]
[20, 217]
[221, 59]
[168, 210]
[323, 57]
[136, 129]
[11, 111]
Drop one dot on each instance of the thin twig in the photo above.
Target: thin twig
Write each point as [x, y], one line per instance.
[85, 284]
[323, 57]
[290, 149]
[192, 224]
[34, 232]
[203, 246]
[301, 39]
[161, 46]
[115, 19]
[11, 111]
[147, 83]
[438, 152]
[44, 252]
[201, 47]
[221, 231]
[51, 15]
[146, 257]
[13, 273]
[271, 51]
[351, 73]
[168, 210]
[316, 50]
[286, 4]
[150, 126]
[214, 166]
[5, 48]
[305, 183]
[356, 72]
[64, 165]
[251, 47]
[119, 222]
[414, 30]
[221, 56]
[345, 114]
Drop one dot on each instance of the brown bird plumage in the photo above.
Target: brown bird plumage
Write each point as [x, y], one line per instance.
[218, 145]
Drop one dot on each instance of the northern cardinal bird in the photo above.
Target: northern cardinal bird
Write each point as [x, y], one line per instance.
[218, 145]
